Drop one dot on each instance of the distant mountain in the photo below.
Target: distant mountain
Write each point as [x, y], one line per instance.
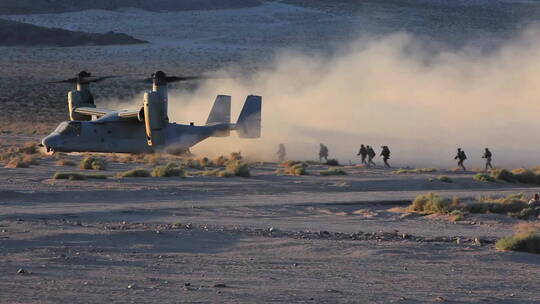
[14, 33]
[11, 7]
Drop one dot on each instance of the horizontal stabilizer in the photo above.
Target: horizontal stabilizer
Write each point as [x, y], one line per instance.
[249, 121]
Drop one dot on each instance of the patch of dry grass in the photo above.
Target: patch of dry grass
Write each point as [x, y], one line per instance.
[137, 172]
[65, 162]
[292, 167]
[169, 170]
[93, 163]
[527, 239]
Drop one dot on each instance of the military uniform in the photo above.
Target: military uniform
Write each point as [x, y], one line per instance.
[385, 153]
[363, 154]
[323, 153]
[487, 156]
[461, 157]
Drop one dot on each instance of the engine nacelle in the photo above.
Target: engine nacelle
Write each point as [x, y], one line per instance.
[154, 118]
[77, 99]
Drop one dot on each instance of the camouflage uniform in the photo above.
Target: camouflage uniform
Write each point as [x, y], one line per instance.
[385, 153]
[363, 154]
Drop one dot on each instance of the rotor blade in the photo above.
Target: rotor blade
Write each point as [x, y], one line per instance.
[98, 79]
[71, 80]
[184, 78]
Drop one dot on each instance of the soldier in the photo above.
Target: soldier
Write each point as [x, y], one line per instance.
[487, 155]
[385, 153]
[282, 153]
[371, 154]
[534, 203]
[323, 153]
[461, 157]
[363, 154]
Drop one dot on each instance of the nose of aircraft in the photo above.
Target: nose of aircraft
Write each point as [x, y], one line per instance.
[51, 142]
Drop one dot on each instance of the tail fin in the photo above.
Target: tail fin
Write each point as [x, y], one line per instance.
[249, 121]
[221, 111]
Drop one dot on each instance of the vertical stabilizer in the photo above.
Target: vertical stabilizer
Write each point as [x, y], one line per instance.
[249, 121]
[221, 111]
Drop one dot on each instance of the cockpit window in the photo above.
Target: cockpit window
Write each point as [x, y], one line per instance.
[71, 128]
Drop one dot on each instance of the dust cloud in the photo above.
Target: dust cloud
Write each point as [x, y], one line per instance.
[392, 90]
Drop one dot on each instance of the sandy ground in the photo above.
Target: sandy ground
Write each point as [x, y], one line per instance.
[267, 239]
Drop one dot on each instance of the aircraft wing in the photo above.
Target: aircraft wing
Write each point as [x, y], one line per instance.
[128, 114]
[93, 111]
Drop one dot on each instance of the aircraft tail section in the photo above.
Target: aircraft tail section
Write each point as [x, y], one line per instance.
[249, 121]
[221, 111]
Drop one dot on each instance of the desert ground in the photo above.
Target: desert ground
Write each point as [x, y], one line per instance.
[268, 238]
[262, 239]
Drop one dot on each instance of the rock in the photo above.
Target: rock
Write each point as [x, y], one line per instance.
[131, 286]
[404, 236]
[477, 241]
[21, 271]
[187, 284]
[458, 240]
[220, 285]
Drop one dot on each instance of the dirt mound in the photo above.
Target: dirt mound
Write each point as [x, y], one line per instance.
[14, 33]
[10, 7]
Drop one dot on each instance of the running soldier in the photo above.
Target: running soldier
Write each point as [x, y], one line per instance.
[461, 157]
[323, 153]
[487, 156]
[363, 154]
[371, 155]
[385, 153]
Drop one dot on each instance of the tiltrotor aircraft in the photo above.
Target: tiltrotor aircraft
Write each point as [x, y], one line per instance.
[147, 130]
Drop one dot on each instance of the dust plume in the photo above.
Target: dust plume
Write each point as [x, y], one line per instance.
[393, 91]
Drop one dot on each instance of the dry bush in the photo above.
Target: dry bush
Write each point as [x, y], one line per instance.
[525, 176]
[152, 159]
[235, 156]
[69, 176]
[483, 177]
[333, 171]
[332, 162]
[417, 170]
[293, 167]
[444, 179]
[16, 162]
[510, 204]
[431, 203]
[126, 159]
[502, 174]
[221, 161]
[29, 148]
[93, 163]
[137, 172]
[65, 162]
[214, 172]
[169, 170]
[527, 239]
[235, 168]
[30, 160]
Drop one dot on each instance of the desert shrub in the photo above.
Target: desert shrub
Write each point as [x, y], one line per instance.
[30, 160]
[503, 174]
[193, 163]
[509, 204]
[456, 215]
[483, 177]
[214, 172]
[220, 161]
[65, 162]
[152, 159]
[525, 176]
[69, 176]
[333, 171]
[138, 172]
[444, 179]
[417, 170]
[93, 163]
[332, 162]
[96, 176]
[235, 156]
[238, 168]
[524, 214]
[205, 162]
[293, 167]
[529, 242]
[126, 159]
[431, 203]
[17, 162]
[225, 173]
[28, 148]
[169, 170]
